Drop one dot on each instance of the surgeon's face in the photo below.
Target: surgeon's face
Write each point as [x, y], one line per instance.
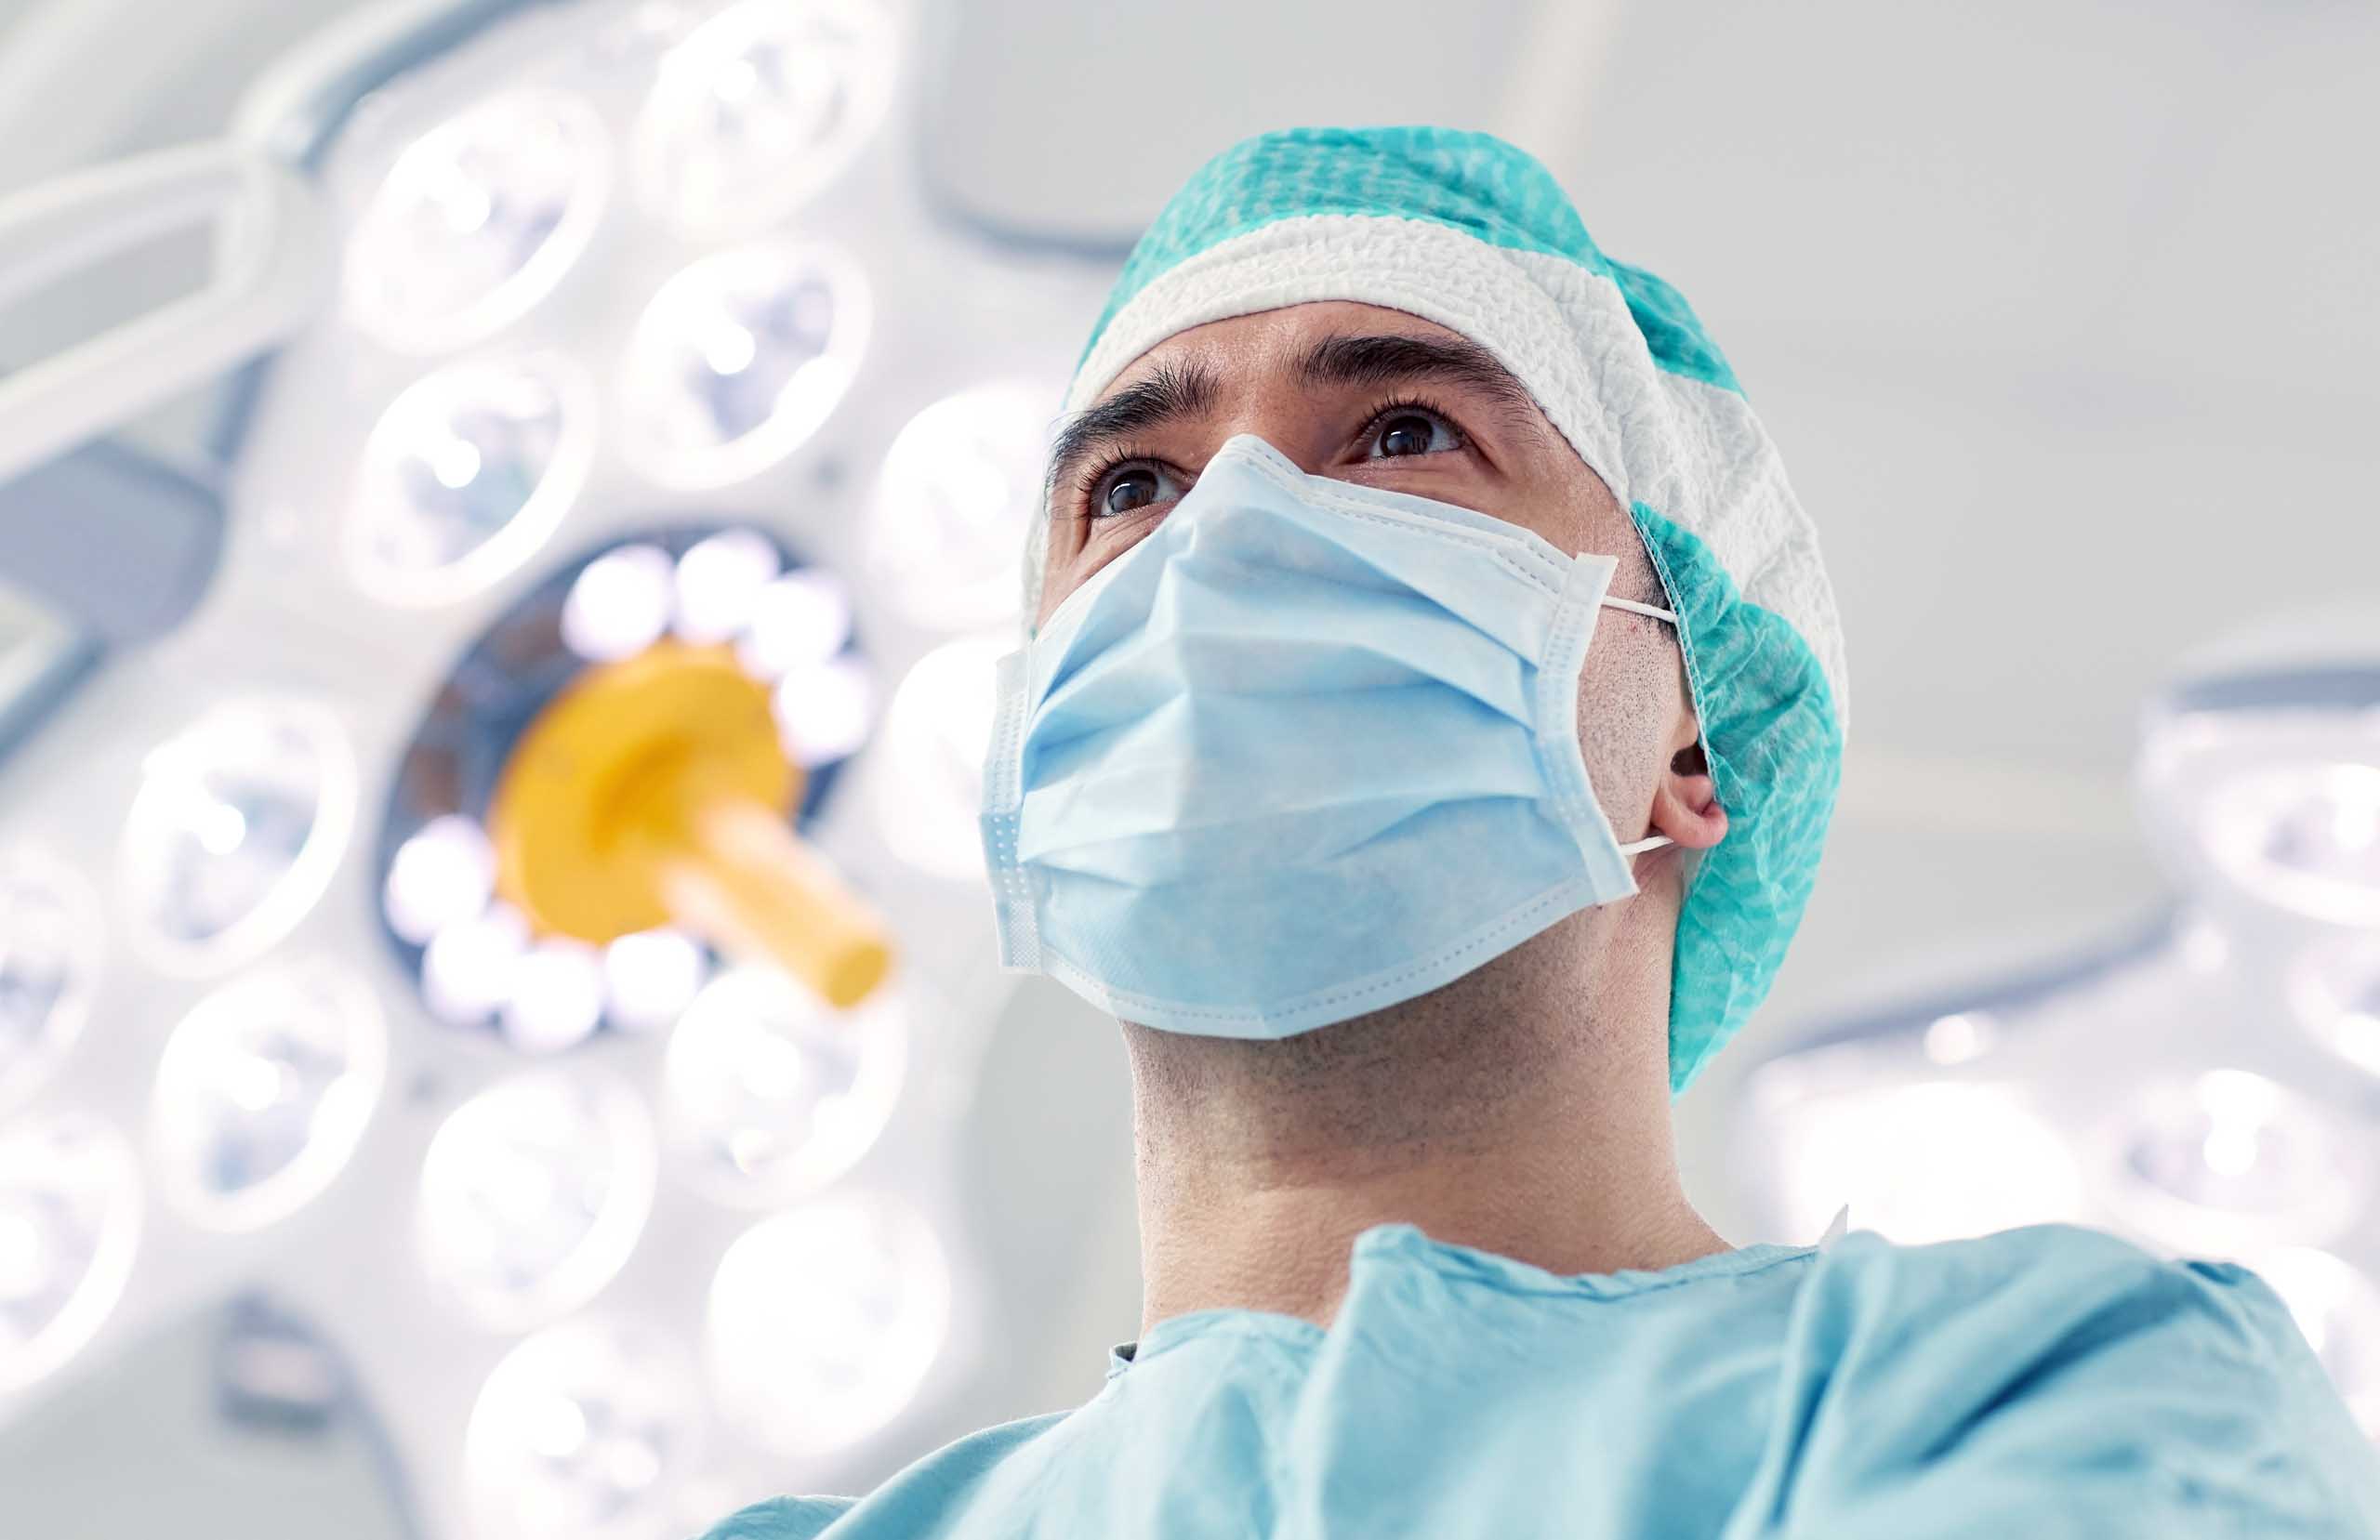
[1376, 396]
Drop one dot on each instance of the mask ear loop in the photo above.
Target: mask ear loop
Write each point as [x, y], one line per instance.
[1639, 847]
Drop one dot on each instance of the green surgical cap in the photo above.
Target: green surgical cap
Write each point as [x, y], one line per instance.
[1465, 231]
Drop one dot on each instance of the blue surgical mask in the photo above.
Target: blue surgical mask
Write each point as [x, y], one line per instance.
[1307, 750]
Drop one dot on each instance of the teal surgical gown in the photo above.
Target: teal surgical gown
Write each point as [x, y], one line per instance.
[2039, 1384]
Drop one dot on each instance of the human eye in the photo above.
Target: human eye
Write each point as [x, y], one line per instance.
[1129, 486]
[1403, 429]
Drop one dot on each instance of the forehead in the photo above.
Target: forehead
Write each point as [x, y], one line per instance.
[1268, 345]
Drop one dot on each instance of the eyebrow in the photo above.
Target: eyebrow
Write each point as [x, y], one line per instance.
[1173, 392]
[1176, 391]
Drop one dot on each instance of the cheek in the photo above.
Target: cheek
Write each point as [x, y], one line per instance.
[1624, 712]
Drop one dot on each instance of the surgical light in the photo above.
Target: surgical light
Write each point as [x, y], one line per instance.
[49, 929]
[720, 581]
[2334, 989]
[443, 874]
[584, 1430]
[263, 1092]
[761, 107]
[1921, 1162]
[478, 220]
[770, 1092]
[737, 359]
[2228, 1159]
[534, 1191]
[237, 826]
[824, 709]
[801, 619]
[825, 1318]
[958, 489]
[466, 475]
[930, 769]
[650, 977]
[467, 968]
[620, 603]
[70, 1219]
[556, 996]
[2303, 836]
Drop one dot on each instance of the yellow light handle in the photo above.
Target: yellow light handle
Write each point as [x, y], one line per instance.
[746, 883]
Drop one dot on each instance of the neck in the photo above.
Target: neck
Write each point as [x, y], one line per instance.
[1512, 1111]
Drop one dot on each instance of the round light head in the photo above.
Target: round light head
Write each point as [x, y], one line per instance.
[477, 220]
[960, 485]
[761, 107]
[2267, 786]
[534, 1191]
[237, 826]
[69, 1217]
[2303, 836]
[467, 474]
[2227, 1159]
[2335, 990]
[585, 1430]
[929, 782]
[50, 962]
[773, 1093]
[737, 360]
[825, 1320]
[263, 1092]
[1932, 1161]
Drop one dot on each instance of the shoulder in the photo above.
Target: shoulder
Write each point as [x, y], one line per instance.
[781, 1519]
[911, 1503]
[2055, 1349]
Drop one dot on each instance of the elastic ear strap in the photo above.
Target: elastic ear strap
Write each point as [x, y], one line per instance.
[1639, 847]
[1635, 609]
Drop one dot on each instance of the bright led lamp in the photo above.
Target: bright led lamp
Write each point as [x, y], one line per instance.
[771, 1093]
[478, 220]
[70, 1219]
[2228, 1160]
[263, 1092]
[825, 1321]
[582, 1432]
[534, 1192]
[737, 359]
[958, 488]
[761, 107]
[49, 930]
[236, 827]
[466, 475]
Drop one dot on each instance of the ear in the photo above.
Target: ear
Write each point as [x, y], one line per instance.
[1685, 800]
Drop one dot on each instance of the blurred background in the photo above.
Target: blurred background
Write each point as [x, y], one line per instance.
[459, 457]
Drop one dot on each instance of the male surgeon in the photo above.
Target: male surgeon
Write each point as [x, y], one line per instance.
[1429, 721]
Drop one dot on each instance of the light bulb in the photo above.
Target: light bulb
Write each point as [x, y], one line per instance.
[70, 1219]
[1933, 1160]
[477, 220]
[930, 773]
[534, 1191]
[263, 1092]
[49, 930]
[737, 360]
[758, 108]
[584, 1430]
[238, 823]
[772, 1092]
[467, 474]
[620, 604]
[825, 1318]
[960, 486]
[720, 581]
